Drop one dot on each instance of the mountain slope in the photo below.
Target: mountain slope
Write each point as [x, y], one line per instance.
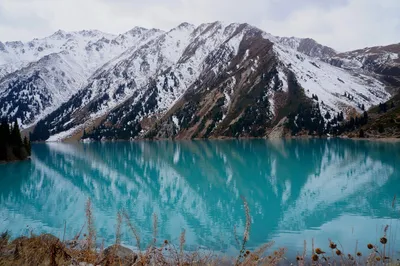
[38, 76]
[38, 89]
[210, 81]
[383, 121]
[382, 61]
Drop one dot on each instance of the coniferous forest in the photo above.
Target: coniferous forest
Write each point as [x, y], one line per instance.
[12, 146]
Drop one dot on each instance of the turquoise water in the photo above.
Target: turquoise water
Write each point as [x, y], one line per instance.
[296, 190]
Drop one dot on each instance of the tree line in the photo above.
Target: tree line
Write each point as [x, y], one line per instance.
[12, 146]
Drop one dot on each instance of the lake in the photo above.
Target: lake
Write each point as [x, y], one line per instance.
[297, 190]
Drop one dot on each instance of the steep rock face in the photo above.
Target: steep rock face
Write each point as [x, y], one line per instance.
[307, 46]
[231, 102]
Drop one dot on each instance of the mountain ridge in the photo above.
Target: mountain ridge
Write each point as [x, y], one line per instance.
[139, 77]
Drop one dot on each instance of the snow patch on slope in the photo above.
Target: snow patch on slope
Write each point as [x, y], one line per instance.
[330, 83]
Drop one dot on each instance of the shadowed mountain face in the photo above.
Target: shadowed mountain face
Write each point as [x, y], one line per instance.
[296, 190]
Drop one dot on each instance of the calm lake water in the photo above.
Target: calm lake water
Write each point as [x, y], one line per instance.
[296, 190]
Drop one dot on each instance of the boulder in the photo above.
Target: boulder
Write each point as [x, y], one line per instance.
[121, 252]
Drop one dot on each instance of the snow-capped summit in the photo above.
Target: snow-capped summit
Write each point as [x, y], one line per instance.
[58, 35]
[307, 46]
[215, 79]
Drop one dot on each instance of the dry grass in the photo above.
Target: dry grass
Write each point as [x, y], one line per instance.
[49, 250]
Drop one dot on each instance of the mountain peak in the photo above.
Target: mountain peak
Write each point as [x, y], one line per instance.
[92, 33]
[136, 30]
[185, 25]
[307, 46]
[60, 34]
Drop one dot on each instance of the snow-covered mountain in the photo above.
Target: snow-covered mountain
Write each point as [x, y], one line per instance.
[38, 76]
[208, 81]
[383, 61]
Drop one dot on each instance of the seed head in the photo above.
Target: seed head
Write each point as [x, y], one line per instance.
[359, 254]
[315, 257]
[332, 245]
[338, 252]
[383, 240]
[319, 251]
[378, 258]
[370, 246]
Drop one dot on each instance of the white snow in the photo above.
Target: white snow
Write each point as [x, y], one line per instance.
[330, 83]
[105, 64]
[176, 121]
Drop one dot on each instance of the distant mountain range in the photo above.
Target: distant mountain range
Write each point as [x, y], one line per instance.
[210, 81]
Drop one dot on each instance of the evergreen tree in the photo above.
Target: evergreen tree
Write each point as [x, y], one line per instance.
[365, 118]
[4, 132]
[4, 139]
[392, 105]
[340, 117]
[40, 133]
[15, 138]
[327, 115]
[363, 107]
[11, 145]
[383, 107]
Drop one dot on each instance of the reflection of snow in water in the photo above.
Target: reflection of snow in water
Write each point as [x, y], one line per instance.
[177, 153]
[273, 178]
[339, 180]
[148, 178]
[286, 192]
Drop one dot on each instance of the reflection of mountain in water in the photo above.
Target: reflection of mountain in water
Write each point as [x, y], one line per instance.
[196, 185]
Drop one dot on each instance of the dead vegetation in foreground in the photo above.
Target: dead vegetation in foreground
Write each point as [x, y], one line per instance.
[47, 249]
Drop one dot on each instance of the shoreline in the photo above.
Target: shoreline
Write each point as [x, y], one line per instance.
[15, 161]
[304, 137]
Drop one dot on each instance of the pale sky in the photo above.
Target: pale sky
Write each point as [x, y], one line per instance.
[342, 24]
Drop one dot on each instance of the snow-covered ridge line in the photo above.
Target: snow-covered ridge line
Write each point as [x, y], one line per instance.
[143, 73]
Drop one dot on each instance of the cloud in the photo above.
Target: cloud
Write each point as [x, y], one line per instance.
[358, 24]
[17, 23]
[342, 24]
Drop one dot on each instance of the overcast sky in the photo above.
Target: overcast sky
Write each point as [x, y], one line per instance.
[341, 24]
